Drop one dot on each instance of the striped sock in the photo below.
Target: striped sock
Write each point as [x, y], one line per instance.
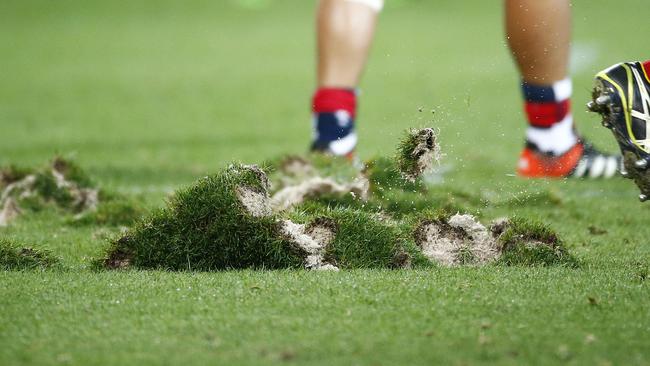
[334, 110]
[548, 109]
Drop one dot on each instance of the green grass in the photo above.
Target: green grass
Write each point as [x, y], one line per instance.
[17, 257]
[149, 96]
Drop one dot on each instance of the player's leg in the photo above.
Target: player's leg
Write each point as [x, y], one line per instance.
[345, 30]
[539, 34]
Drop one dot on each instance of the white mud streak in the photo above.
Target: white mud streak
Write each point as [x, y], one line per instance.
[313, 187]
[311, 241]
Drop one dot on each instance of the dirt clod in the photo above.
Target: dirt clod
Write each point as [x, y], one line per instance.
[418, 153]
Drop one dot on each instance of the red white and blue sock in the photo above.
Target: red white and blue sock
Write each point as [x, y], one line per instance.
[548, 109]
[334, 110]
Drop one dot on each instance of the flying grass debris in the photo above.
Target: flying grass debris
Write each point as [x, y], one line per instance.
[417, 153]
[243, 218]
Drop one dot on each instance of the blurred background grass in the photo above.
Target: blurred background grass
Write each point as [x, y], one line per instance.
[149, 95]
[171, 89]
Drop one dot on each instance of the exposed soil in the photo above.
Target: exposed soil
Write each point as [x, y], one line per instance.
[256, 203]
[311, 247]
[459, 240]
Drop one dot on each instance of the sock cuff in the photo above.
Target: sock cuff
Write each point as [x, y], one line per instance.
[331, 100]
[545, 115]
[547, 105]
[547, 93]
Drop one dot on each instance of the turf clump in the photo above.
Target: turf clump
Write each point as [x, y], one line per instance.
[14, 257]
[221, 222]
[365, 238]
[527, 243]
[417, 152]
[460, 239]
[62, 185]
[319, 212]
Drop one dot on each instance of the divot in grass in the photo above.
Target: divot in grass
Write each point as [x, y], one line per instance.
[459, 239]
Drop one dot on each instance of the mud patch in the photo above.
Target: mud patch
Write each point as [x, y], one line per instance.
[460, 239]
[402, 259]
[483, 245]
[322, 230]
[118, 259]
[530, 244]
[296, 166]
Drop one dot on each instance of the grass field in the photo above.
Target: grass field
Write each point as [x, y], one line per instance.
[150, 95]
